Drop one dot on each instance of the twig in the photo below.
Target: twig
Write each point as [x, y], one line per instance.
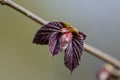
[24, 11]
[101, 55]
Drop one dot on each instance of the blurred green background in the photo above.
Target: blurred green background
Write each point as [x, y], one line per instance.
[22, 60]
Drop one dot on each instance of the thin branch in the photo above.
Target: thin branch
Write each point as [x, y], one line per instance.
[101, 55]
[24, 11]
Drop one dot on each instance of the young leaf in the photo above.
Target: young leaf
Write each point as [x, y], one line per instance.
[54, 43]
[60, 36]
[73, 52]
[43, 34]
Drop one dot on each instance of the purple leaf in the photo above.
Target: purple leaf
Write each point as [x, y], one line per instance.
[60, 36]
[73, 52]
[54, 43]
[43, 34]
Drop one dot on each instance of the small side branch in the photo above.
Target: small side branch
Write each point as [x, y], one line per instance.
[101, 55]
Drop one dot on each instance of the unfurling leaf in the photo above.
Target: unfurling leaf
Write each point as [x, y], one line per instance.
[73, 52]
[54, 43]
[61, 36]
